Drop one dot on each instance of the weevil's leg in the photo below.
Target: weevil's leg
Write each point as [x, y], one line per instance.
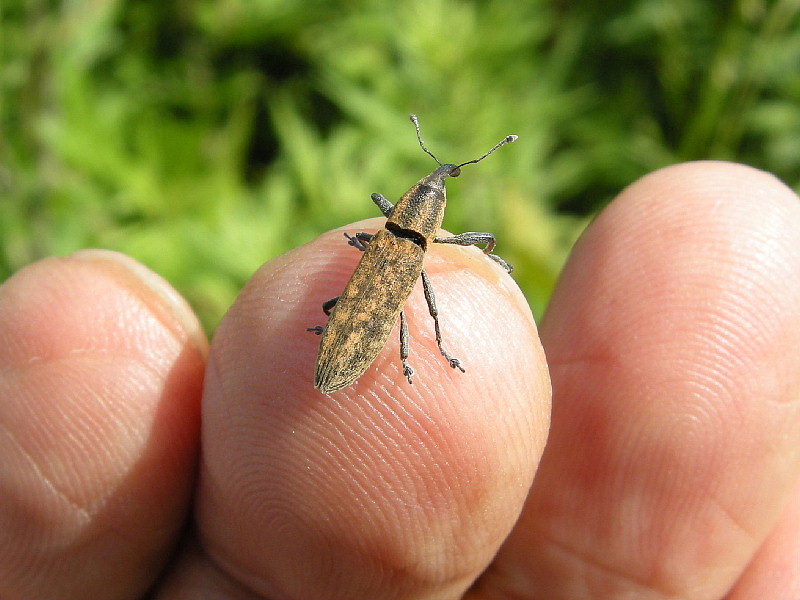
[430, 298]
[407, 370]
[359, 240]
[364, 237]
[387, 208]
[472, 238]
[327, 307]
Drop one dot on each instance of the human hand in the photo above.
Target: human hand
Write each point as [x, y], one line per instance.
[672, 467]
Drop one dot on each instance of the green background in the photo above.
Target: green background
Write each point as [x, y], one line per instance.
[206, 137]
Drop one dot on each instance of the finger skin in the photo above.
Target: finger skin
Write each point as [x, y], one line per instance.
[774, 572]
[672, 340]
[382, 489]
[100, 376]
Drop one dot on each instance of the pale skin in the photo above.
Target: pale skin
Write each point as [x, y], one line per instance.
[672, 459]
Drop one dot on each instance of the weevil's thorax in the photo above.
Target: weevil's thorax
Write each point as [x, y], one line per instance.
[421, 209]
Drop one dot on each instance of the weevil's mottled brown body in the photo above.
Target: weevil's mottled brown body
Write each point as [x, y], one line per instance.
[367, 310]
[365, 314]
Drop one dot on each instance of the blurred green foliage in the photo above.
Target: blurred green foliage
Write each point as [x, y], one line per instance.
[206, 137]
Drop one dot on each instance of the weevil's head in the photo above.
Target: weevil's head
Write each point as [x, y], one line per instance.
[438, 178]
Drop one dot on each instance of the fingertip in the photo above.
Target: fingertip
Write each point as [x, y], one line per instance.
[716, 219]
[94, 286]
[163, 300]
[100, 391]
[717, 179]
[672, 339]
[382, 484]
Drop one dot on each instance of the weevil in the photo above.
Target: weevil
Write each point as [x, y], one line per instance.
[361, 319]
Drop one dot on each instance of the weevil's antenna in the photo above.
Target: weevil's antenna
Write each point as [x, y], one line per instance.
[415, 121]
[506, 140]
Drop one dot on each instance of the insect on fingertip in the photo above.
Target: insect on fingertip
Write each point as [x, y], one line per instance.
[392, 262]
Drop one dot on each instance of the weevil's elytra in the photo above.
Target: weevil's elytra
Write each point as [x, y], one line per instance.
[362, 318]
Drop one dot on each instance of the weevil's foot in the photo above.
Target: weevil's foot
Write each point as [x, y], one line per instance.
[318, 330]
[456, 364]
[408, 372]
[356, 241]
[501, 262]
